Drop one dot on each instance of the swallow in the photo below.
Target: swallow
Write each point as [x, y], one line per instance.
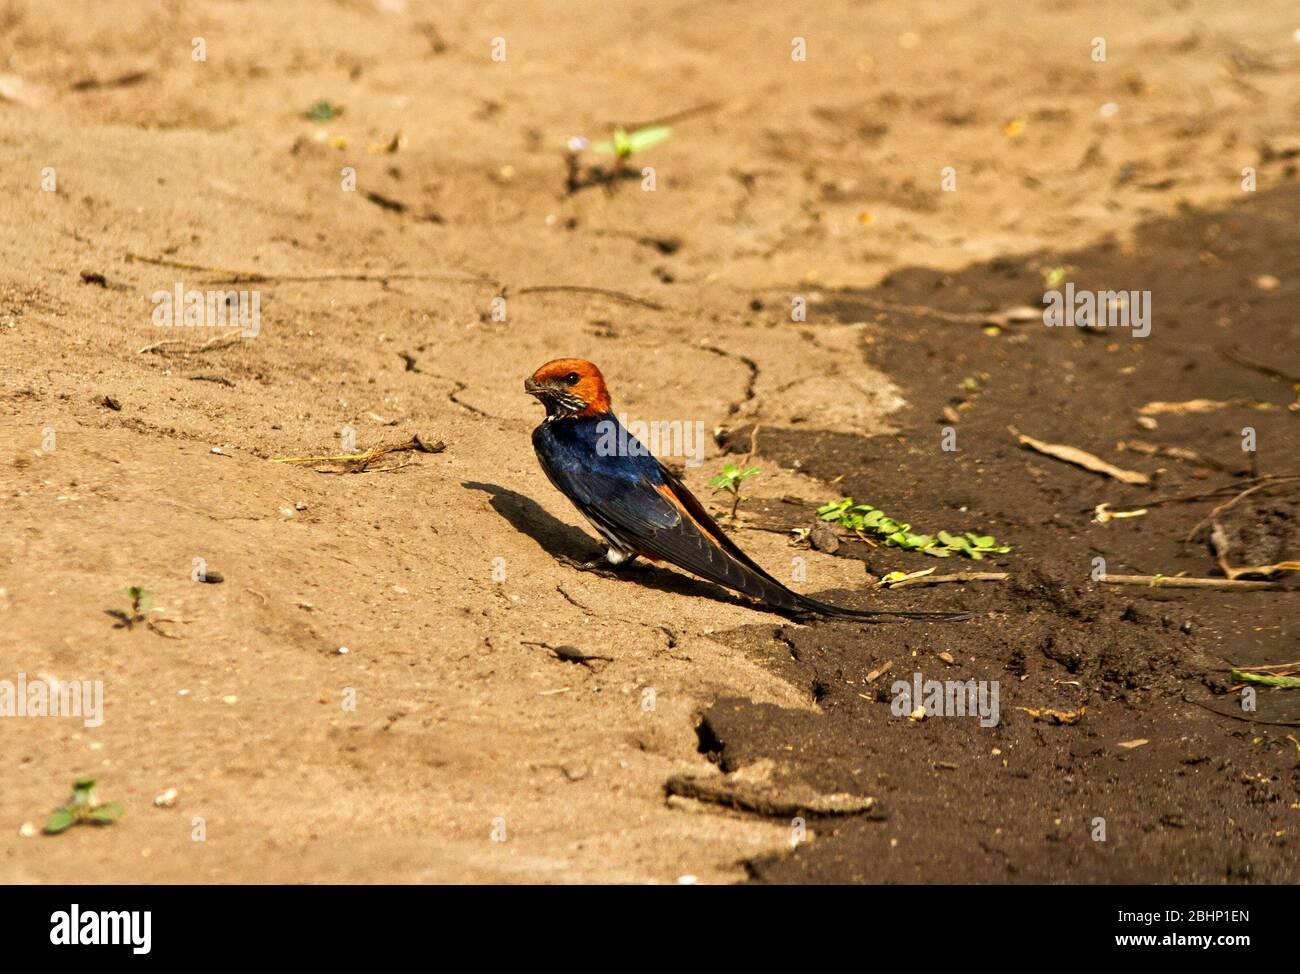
[637, 505]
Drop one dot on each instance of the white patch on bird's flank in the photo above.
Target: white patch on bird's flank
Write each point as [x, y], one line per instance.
[616, 553]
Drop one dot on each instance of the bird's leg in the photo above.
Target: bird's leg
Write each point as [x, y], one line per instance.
[591, 565]
[602, 564]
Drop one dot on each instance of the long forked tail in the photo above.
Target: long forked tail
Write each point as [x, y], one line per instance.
[755, 582]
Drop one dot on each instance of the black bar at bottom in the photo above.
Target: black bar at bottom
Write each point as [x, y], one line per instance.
[335, 923]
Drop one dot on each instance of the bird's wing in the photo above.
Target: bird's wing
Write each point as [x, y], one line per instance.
[641, 506]
[651, 512]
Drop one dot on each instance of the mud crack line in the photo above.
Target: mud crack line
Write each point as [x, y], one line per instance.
[749, 364]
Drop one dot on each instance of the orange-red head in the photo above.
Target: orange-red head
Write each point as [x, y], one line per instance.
[569, 387]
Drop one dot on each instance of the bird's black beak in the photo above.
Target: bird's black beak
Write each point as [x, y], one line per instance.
[533, 388]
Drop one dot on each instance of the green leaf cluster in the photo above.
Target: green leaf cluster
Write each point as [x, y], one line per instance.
[81, 809]
[731, 477]
[865, 519]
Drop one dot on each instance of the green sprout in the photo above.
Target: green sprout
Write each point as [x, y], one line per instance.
[730, 480]
[624, 144]
[864, 519]
[82, 809]
[323, 111]
[140, 603]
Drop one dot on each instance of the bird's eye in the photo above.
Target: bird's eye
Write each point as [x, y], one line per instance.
[571, 378]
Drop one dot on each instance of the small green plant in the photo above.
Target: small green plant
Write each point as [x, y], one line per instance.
[323, 111]
[730, 480]
[82, 809]
[140, 603]
[624, 144]
[864, 519]
[137, 613]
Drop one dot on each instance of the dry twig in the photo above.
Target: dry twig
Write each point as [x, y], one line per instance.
[958, 579]
[1260, 485]
[213, 344]
[225, 275]
[360, 462]
[1183, 581]
[766, 799]
[1080, 458]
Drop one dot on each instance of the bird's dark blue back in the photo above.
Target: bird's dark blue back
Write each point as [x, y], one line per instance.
[604, 469]
[596, 445]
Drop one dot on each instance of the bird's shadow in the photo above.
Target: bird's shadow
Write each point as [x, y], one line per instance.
[558, 539]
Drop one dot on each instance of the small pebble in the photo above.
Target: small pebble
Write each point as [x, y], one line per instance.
[167, 799]
[822, 538]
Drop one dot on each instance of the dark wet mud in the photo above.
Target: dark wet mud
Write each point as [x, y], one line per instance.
[1165, 777]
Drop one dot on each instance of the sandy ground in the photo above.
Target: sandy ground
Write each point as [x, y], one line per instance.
[129, 167]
